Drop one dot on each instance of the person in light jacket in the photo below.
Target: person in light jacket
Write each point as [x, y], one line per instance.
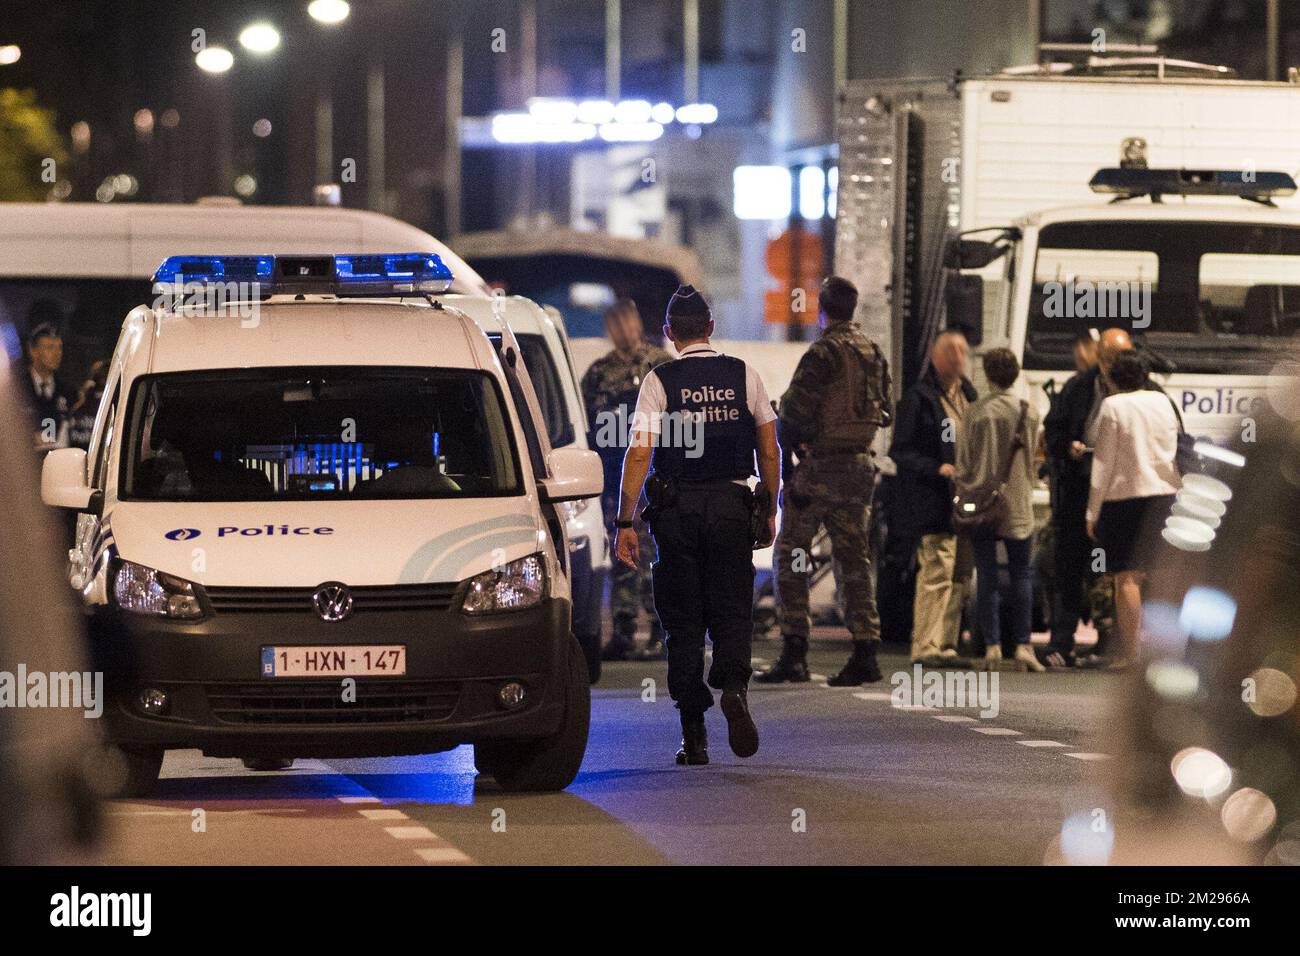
[981, 457]
[1134, 480]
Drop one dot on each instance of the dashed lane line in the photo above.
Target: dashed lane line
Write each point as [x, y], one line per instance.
[440, 852]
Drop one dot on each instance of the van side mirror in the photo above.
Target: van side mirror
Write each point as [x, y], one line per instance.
[575, 473]
[63, 482]
[977, 253]
[964, 304]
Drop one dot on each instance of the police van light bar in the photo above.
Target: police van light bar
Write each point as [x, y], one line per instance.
[1130, 182]
[209, 269]
[371, 274]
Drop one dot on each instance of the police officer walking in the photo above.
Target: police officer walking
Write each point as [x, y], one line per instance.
[838, 398]
[609, 390]
[699, 421]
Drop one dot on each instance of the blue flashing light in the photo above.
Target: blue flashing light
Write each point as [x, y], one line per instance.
[369, 274]
[208, 269]
[422, 271]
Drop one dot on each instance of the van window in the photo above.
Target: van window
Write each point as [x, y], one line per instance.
[546, 383]
[1217, 297]
[329, 433]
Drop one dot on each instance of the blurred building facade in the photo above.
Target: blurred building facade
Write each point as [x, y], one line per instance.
[394, 103]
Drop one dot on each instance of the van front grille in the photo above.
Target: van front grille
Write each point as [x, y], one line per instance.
[398, 597]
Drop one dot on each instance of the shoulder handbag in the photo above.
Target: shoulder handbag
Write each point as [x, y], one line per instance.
[1187, 460]
[984, 510]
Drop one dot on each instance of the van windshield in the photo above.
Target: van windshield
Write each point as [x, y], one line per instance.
[311, 433]
[1208, 296]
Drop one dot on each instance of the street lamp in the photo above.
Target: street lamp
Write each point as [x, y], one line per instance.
[10, 54]
[328, 11]
[259, 38]
[214, 59]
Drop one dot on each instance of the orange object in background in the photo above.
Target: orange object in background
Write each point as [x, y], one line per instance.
[778, 304]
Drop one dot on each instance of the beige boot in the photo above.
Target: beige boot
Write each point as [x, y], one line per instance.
[993, 657]
[1027, 660]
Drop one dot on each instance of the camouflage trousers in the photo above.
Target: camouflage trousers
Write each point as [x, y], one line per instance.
[847, 522]
[630, 592]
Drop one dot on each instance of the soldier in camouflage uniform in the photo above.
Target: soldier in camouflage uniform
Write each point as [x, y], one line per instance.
[609, 390]
[838, 398]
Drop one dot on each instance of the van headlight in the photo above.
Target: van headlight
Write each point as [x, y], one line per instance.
[515, 586]
[143, 590]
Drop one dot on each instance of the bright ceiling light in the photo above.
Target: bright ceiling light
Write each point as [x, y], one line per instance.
[259, 38]
[328, 11]
[11, 53]
[214, 59]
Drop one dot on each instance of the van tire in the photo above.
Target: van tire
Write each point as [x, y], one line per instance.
[591, 651]
[548, 763]
[140, 772]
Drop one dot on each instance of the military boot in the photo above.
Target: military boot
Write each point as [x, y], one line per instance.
[861, 668]
[792, 666]
[695, 742]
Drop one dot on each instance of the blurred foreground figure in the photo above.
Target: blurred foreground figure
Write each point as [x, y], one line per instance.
[48, 813]
[1212, 769]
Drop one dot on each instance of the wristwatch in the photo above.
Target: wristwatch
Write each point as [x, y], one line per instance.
[620, 523]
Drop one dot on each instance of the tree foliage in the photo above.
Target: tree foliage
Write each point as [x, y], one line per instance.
[29, 142]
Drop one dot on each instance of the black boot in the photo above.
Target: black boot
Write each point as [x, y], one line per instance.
[742, 735]
[695, 742]
[861, 668]
[791, 667]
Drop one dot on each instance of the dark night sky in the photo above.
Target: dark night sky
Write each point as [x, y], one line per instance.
[102, 60]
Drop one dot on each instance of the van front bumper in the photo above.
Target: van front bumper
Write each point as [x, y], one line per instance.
[219, 702]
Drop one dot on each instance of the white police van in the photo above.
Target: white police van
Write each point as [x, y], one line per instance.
[95, 260]
[320, 515]
[544, 346]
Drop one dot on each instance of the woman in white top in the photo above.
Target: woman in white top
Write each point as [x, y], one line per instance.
[1134, 480]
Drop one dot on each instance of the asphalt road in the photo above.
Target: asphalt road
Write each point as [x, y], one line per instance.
[842, 776]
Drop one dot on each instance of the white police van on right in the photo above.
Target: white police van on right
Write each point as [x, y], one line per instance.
[1008, 159]
[544, 344]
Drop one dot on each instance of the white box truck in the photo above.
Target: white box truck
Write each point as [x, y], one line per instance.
[1190, 239]
[923, 161]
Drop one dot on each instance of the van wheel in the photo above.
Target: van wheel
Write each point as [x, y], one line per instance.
[138, 769]
[591, 651]
[549, 763]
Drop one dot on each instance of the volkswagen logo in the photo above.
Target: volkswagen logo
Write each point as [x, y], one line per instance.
[332, 601]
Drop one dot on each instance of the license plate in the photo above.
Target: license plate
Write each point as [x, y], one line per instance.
[355, 660]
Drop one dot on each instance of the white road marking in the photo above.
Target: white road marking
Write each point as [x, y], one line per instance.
[1041, 743]
[366, 799]
[1079, 755]
[873, 695]
[441, 854]
[822, 678]
[996, 731]
[383, 814]
[955, 718]
[411, 833]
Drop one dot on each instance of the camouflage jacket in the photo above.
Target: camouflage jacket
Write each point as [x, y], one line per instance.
[614, 380]
[819, 371]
